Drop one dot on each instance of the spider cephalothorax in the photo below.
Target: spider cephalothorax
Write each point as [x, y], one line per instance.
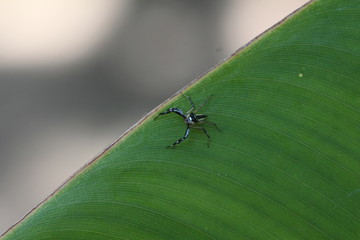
[191, 119]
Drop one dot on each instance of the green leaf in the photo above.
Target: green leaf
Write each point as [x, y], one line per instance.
[286, 164]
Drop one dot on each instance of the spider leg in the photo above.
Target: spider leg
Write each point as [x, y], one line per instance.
[170, 110]
[181, 139]
[204, 130]
[191, 102]
[213, 124]
[203, 104]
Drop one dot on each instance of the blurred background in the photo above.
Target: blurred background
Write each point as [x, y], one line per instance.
[74, 75]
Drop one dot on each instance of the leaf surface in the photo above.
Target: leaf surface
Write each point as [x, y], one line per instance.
[286, 164]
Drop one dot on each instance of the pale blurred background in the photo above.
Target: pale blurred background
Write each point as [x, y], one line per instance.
[74, 75]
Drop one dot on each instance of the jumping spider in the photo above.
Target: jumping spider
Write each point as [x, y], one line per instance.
[191, 119]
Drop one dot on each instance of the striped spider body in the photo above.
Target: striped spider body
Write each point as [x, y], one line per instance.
[191, 119]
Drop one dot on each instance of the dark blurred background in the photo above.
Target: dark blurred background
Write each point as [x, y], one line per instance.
[74, 75]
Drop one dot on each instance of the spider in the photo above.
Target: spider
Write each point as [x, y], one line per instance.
[191, 120]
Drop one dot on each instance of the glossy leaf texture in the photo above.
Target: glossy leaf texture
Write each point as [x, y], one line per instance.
[286, 164]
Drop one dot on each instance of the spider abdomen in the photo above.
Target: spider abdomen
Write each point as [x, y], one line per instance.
[194, 118]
